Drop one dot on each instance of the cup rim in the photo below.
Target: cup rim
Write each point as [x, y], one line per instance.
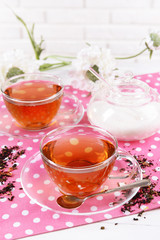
[42, 101]
[79, 169]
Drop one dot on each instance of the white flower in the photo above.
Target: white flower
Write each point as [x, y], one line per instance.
[16, 58]
[89, 57]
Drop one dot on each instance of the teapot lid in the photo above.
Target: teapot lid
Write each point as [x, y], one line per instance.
[128, 91]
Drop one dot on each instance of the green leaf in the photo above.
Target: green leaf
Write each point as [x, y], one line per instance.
[45, 66]
[150, 55]
[14, 71]
[91, 76]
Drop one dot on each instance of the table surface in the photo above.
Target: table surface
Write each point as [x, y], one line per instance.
[146, 227]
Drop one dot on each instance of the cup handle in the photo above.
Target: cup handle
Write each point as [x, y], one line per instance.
[129, 169]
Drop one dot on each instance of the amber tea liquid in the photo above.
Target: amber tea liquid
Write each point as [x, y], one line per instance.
[77, 152]
[28, 115]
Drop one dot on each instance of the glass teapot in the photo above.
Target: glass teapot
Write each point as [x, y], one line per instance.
[128, 108]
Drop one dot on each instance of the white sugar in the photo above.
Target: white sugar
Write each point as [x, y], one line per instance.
[126, 123]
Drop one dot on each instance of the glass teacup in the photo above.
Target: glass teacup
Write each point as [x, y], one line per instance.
[80, 158]
[33, 99]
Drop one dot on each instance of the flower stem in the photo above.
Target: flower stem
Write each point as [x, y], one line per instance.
[49, 66]
[121, 58]
[57, 56]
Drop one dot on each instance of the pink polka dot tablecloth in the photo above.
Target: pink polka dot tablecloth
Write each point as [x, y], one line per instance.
[22, 217]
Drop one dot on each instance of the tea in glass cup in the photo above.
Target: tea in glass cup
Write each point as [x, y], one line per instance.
[33, 100]
[79, 158]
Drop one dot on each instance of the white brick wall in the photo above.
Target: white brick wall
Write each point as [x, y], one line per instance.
[67, 25]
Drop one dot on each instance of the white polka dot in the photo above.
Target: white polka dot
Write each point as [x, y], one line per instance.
[40, 191]
[99, 198]
[158, 169]
[23, 156]
[115, 168]
[32, 202]
[46, 182]
[18, 180]
[66, 101]
[56, 216]
[36, 220]
[33, 161]
[155, 178]
[138, 149]
[75, 211]
[5, 116]
[22, 195]
[8, 236]
[127, 144]
[156, 138]
[83, 95]
[150, 154]
[89, 220]
[25, 212]
[5, 216]
[3, 199]
[16, 131]
[49, 228]
[41, 133]
[26, 170]
[29, 185]
[51, 198]
[36, 175]
[20, 144]
[16, 224]
[153, 146]
[93, 208]
[29, 148]
[44, 209]
[148, 81]
[117, 194]
[10, 139]
[142, 141]
[108, 216]
[14, 205]
[7, 126]
[41, 166]
[69, 224]
[29, 232]
[35, 140]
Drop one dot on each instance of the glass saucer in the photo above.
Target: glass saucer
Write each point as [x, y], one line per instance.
[41, 189]
[70, 112]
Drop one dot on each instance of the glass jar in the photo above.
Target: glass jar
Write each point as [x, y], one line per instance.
[129, 109]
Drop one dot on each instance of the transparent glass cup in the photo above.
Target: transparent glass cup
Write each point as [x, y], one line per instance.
[34, 99]
[80, 158]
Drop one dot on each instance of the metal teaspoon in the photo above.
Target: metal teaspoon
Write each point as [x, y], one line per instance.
[70, 201]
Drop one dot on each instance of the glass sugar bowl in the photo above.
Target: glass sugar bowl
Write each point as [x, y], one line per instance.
[129, 109]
